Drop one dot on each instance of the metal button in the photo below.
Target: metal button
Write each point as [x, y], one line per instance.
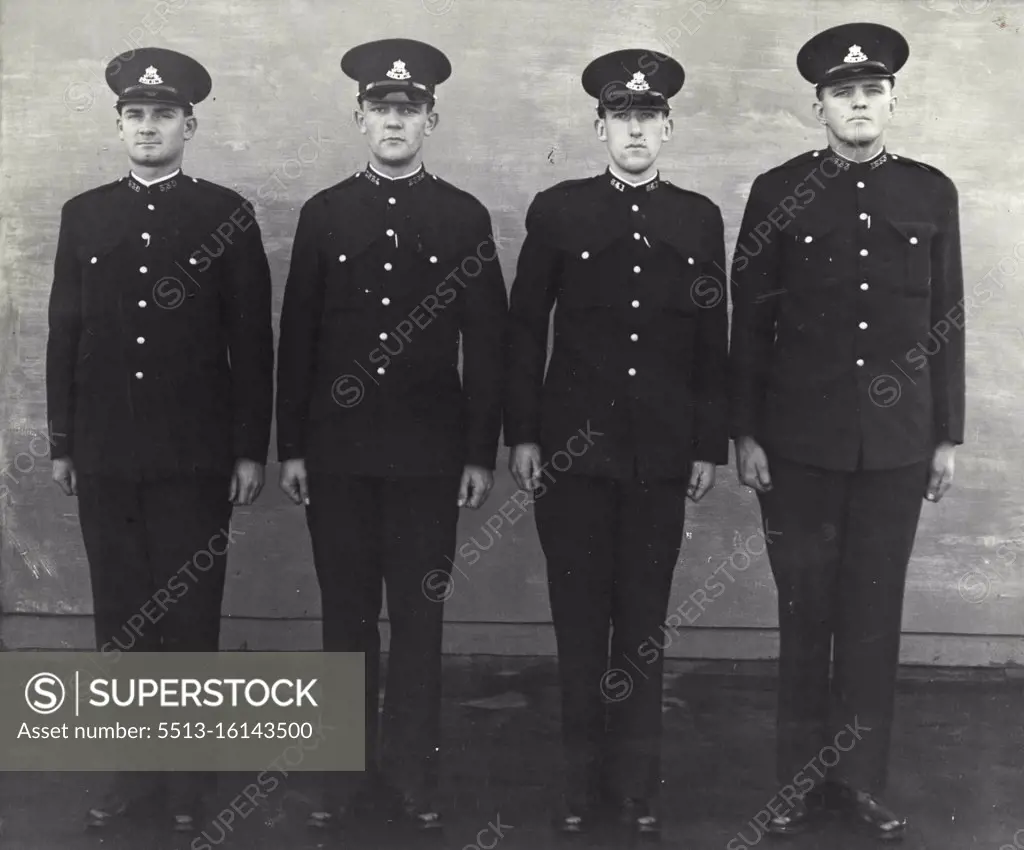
[634, 337]
[913, 240]
[342, 258]
[93, 260]
[860, 362]
[864, 286]
[381, 370]
[145, 236]
[585, 255]
[191, 261]
[433, 259]
[142, 303]
[863, 252]
[636, 303]
[385, 301]
[863, 326]
[636, 208]
[860, 184]
[140, 339]
[143, 269]
[387, 267]
[632, 372]
[690, 260]
[636, 235]
[150, 206]
[391, 201]
[138, 375]
[863, 216]
[816, 153]
[808, 239]
[390, 232]
[382, 336]
[636, 269]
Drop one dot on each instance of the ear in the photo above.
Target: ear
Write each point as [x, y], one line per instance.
[667, 129]
[360, 119]
[433, 119]
[191, 125]
[893, 100]
[120, 127]
[600, 129]
[819, 111]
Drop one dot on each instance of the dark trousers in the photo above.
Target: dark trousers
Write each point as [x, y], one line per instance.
[399, 532]
[611, 548]
[839, 545]
[157, 553]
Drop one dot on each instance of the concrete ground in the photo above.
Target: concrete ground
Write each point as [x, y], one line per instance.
[956, 769]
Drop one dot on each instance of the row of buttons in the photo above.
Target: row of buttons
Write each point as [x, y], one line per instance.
[387, 266]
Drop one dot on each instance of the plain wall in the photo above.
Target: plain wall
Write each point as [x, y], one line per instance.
[514, 120]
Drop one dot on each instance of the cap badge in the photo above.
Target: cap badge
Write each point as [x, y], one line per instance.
[855, 54]
[151, 77]
[398, 71]
[638, 83]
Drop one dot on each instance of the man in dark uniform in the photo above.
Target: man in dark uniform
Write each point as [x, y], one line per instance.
[159, 379]
[847, 386]
[635, 398]
[389, 269]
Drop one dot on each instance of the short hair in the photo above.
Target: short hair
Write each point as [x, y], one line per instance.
[361, 99]
[602, 112]
[820, 88]
[188, 110]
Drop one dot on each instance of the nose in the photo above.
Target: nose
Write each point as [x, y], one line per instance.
[634, 126]
[393, 119]
[860, 100]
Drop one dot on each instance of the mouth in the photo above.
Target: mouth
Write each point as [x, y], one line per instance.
[860, 118]
[394, 139]
[636, 147]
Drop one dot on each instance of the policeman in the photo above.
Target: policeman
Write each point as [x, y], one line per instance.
[376, 434]
[159, 279]
[847, 385]
[630, 420]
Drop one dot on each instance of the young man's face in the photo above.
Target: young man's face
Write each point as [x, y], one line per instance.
[634, 136]
[395, 129]
[857, 111]
[155, 133]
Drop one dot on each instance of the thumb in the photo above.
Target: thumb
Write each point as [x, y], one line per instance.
[303, 488]
[233, 489]
[463, 489]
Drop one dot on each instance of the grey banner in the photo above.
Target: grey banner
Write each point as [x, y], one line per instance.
[216, 711]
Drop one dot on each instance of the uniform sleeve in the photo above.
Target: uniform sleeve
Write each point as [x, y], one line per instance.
[250, 339]
[531, 301]
[754, 289]
[947, 367]
[65, 325]
[484, 309]
[300, 326]
[711, 370]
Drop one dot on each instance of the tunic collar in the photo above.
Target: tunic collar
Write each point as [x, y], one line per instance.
[405, 181]
[648, 185]
[161, 184]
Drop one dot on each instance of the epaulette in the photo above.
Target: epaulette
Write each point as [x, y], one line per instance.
[805, 158]
[97, 190]
[343, 184]
[200, 183]
[687, 192]
[455, 190]
[906, 160]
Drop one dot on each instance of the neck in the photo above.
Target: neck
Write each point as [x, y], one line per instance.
[397, 171]
[855, 153]
[155, 172]
[634, 179]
